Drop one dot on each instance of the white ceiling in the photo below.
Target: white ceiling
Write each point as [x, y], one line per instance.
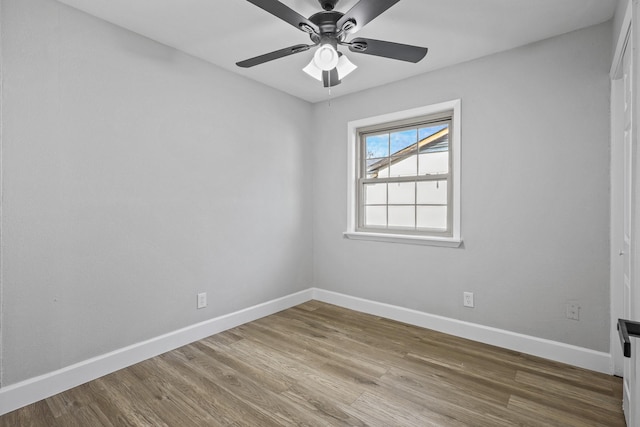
[226, 31]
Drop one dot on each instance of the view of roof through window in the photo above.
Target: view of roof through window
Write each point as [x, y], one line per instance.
[385, 152]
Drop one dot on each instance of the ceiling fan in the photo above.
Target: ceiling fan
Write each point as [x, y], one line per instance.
[329, 29]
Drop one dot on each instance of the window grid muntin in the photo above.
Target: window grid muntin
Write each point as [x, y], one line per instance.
[389, 128]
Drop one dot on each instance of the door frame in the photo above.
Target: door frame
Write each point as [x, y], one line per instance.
[629, 36]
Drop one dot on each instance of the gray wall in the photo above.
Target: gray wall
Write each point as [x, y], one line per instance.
[535, 194]
[135, 176]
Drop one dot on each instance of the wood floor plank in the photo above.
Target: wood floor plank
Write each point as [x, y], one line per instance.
[442, 396]
[314, 399]
[328, 345]
[562, 388]
[232, 365]
[280, 411]
[301, 372]
[552, 416]
[90, 415]
[227, 406]
[387, 410]
[128, 405]
[37, 415]
[321, 365]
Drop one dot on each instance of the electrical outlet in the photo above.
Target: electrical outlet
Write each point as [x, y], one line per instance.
[573, 311]
[202, 300]
[467, 300]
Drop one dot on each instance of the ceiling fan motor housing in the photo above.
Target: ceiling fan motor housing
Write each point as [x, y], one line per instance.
[328, 4]
[326, 23]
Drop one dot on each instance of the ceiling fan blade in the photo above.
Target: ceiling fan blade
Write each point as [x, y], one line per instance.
[273, 55]
[330, 78]
[403, 52]
[364, 12]
[285, 13]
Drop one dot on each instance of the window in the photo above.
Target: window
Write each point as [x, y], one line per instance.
[404, 176]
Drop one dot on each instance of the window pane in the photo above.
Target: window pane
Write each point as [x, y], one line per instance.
[377, 146]
[402, 216]
[402, 193]
[375, 216]
[403, 140]
[375, 194]
[433, 149]
[428, 131]
[433, 217]
[378, 168]
[433, 163]
[432, 193]
[404, 165]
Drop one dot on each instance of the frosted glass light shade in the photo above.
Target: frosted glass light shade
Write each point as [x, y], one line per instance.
[313, 71]
[345, 67]
[326, 57]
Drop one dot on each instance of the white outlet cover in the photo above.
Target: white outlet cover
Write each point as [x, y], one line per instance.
[573, 311]
[202, 300]
[467, 300]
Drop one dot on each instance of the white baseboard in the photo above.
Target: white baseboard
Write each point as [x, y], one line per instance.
[553, 350]
[34, 389]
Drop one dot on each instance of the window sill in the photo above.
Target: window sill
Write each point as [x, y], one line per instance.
[448, 242]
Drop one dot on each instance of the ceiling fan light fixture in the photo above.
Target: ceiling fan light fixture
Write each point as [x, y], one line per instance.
[345, 67]
[313, 71]
[326, 57]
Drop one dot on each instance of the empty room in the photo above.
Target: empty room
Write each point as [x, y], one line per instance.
[321, 213]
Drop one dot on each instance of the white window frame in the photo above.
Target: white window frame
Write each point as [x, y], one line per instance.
[353, 174]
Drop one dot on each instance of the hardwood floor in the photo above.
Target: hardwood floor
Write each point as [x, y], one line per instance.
[321, 365]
